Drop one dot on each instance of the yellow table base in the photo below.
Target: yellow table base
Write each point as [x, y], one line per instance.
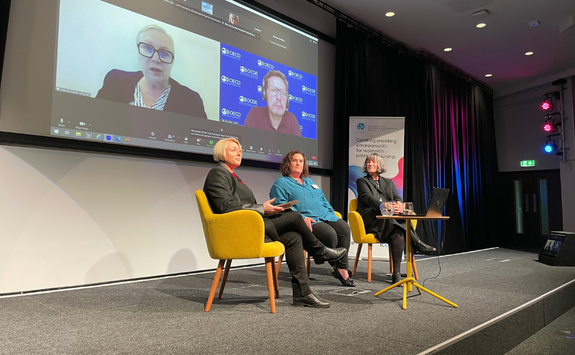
[408, 282]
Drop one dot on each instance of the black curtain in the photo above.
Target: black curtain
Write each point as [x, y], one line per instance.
[449, 133]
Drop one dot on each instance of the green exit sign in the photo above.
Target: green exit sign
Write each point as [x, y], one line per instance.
[527, 163]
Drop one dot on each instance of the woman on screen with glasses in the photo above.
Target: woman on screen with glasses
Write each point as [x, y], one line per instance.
[152, 86]
[274, 117]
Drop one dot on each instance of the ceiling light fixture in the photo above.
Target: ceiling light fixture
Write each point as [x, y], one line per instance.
[390, 14]
[488, 75]
[528, 53]
[480, 25]
[447, 49]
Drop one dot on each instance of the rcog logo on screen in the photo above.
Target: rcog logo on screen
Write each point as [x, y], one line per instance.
[230, 53]
[295, 75]
[231, 113]
[248, 71]
[308, 115]
[360, 126]
[307, 90]
[247, 100]
[263, 64]
[296, 99]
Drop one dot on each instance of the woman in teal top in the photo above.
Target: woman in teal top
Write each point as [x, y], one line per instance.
[314, 207]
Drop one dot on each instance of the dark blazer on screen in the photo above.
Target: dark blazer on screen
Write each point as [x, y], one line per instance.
[119, 86]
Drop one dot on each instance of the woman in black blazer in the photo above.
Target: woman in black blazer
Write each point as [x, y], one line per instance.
[372, 190]
[226, 192]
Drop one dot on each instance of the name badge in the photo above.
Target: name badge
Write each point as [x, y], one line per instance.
[315, 186]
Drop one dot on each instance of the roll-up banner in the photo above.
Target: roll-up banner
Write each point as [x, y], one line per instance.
[382, 135]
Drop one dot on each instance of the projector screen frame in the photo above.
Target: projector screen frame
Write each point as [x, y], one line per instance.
[20, 139]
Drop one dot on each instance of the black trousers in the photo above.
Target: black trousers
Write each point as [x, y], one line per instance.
[295, 236]
[334, 235]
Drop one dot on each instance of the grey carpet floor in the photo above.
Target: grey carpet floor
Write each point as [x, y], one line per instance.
[166, 316]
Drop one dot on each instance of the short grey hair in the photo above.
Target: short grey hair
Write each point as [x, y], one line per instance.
[378, 159]
[156, 28]
[220, 148]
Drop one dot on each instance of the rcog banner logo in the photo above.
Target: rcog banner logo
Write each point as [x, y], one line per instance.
[247, 100]
[231, 53]
[231, 81]
[230, 113]
[263, 64]
[295, 75]
[307, 90]
[360, 126]
[295, 99]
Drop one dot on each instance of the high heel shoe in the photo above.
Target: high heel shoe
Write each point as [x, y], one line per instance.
[347, 283]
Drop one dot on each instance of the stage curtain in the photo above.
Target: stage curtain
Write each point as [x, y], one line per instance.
[449, 133]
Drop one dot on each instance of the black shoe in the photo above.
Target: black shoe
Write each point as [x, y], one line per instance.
[423, 248]
[309, 301]
[395, 277]
[329, 254]
[347, 283]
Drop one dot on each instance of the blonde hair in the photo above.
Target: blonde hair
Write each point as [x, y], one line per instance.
[220, 148]
[156, 28]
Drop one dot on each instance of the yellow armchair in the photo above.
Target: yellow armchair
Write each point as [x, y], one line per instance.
[237, 235]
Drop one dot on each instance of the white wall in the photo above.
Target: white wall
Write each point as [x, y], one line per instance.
[71, 218]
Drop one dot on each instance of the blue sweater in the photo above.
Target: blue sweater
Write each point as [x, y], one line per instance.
[312, 201]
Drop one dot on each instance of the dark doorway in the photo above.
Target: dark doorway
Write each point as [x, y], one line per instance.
[530, 207]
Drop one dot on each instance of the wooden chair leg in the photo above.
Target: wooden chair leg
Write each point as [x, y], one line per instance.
[307, 261]
[414, 267]
[270, 276]
[356, 258]
[215, 285]
[225, 278]
[390, 259]
[369, 255]
[279, 264]
[275, 274]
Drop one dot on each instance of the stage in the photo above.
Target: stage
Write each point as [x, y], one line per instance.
[503, 297]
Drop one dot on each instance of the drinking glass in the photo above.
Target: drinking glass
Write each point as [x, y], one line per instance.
[387, 208]
[408, 208]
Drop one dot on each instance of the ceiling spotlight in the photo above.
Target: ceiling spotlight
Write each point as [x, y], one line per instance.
[447, 49]
[390, 14]
[488, 75]
[528, 53]
[480, 25]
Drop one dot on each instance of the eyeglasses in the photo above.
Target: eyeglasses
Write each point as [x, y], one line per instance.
[274, 91]
[148, 51]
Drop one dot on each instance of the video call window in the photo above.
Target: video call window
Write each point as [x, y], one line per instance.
[182, 74]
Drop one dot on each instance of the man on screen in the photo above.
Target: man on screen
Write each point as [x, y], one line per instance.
[152, 87]
[274, 117]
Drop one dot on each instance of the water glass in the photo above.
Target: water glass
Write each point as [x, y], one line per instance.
[408, 208]
[387, 208]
